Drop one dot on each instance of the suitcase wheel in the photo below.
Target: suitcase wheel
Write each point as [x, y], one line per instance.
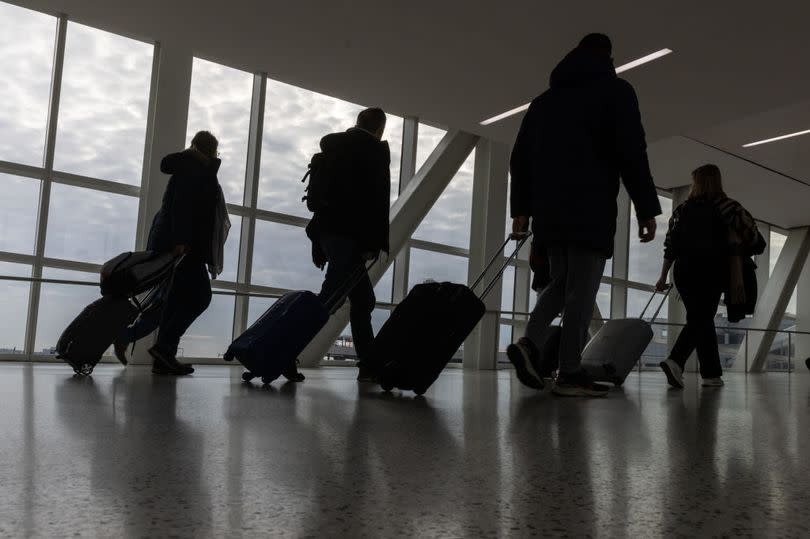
[247, 377]
[86, 369]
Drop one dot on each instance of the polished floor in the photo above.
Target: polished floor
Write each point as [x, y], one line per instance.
[127, 455]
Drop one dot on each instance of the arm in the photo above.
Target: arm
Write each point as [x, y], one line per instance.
[669, 253]
[171, 163]
[520, 169]
[631, 150]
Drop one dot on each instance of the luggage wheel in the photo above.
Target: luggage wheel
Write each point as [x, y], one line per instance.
[247, 377]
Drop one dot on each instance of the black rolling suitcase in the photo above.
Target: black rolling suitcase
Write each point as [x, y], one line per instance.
[425, 330]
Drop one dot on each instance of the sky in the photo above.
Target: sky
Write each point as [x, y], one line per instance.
[101, 133]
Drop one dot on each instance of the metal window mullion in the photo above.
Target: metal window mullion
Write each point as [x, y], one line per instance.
[407, 170]
[45, 188]
[22, 171]
[141, 233]
[251, 200]
[86, 182]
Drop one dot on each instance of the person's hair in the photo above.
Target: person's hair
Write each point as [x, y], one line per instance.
[707, 182]
[372, 120]
[597, 44]
[206, 143]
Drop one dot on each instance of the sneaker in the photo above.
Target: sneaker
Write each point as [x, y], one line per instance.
[673, 372]
[807, 362]
[120, 351]
[292, 373]
[713, 382]
[168, 365]
[366, 374]
[578, 385]
[521, 355]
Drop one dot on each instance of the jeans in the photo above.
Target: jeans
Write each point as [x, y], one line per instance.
[344, 257]
[575, 277]
[700, 286]
[186, 299]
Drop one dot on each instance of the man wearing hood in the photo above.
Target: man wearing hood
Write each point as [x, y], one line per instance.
[575, 143]
[354, 227]
[185, 225]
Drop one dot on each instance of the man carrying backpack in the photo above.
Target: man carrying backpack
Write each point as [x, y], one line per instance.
[349, 192]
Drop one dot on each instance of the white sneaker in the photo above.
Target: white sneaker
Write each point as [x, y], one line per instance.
[713, 382]
[673, 372]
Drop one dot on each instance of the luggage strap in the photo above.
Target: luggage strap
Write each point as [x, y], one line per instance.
[660, 306]
[334, 301]
[494, 280]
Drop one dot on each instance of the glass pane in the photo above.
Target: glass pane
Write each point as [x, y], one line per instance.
[232, 250]
[103, 109]
[220, 103]
[646, 258]
[508, 291]
[15, 308]
[637, 300]
[393, 133]
[777, 243]
[210, 335]
[385, 287]
[282, 257]
[59, 304]
[603, 300]
[295, 120]
[257, 307]
[448, 221]
[88, 225]
[18, 213]
[426, 142]
[26, 61]
[504, 340]
[428, 266]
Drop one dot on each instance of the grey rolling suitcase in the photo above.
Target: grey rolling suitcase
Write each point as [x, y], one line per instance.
[618, 346]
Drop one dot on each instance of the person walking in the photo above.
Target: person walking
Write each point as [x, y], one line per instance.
[707, 237]
[192, 223]
[575, 143]
[354, 226]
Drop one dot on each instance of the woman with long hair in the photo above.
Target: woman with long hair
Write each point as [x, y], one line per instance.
[708, 237]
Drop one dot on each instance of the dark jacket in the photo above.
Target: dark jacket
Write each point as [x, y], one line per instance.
[188, 212]
[365, 190]
[576, 141]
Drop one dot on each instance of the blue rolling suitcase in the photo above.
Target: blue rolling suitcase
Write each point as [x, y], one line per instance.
[270, 347]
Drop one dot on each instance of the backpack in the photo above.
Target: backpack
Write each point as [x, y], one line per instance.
[130, 274]
[323, 174]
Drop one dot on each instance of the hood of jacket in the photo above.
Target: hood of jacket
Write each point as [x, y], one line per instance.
[580, 68]
[192, 163]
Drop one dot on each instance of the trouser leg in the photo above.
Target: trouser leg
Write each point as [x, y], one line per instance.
[550, 301]
[362, 302]
[188, 297]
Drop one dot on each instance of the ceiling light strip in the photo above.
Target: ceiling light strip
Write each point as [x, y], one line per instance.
[774, 139]
[622, 68]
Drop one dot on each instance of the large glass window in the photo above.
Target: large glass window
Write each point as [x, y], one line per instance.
[282, 257]
[427, 141]
[603, 300]
[15, 307]
[646, 258]
[26, 61]
[103, 108]
[88, 225]
[775, 245]
[18, 213]
[428, 266]
[231, 255]
[220, 103]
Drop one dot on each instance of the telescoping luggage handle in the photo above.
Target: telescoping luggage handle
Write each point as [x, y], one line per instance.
[660, 306]
[492, 261]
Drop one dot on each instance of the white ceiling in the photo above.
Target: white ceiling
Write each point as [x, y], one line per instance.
[739, 72]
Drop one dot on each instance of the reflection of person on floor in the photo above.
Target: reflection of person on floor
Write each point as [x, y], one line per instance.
[354, 225]
[192, 222]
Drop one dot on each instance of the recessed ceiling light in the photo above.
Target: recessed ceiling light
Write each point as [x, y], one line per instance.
[622, 68]
[774, 139]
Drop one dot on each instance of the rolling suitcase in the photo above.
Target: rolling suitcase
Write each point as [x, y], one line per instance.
[270, 347]
[427, 327]
[618, 346]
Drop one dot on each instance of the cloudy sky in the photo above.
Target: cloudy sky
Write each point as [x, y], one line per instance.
[101, 132]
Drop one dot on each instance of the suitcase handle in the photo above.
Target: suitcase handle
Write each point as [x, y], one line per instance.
[521, 241]
[660, 306]
[333, 302]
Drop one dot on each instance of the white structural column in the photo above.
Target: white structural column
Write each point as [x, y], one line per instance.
[407, 170]
[621, 257]
[775, 298]
[488, 215]
[165, 133]
[247, 236]
[45, 188]
[413, 204]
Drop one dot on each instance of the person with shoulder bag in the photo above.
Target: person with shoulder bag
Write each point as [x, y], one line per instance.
[710, 240]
